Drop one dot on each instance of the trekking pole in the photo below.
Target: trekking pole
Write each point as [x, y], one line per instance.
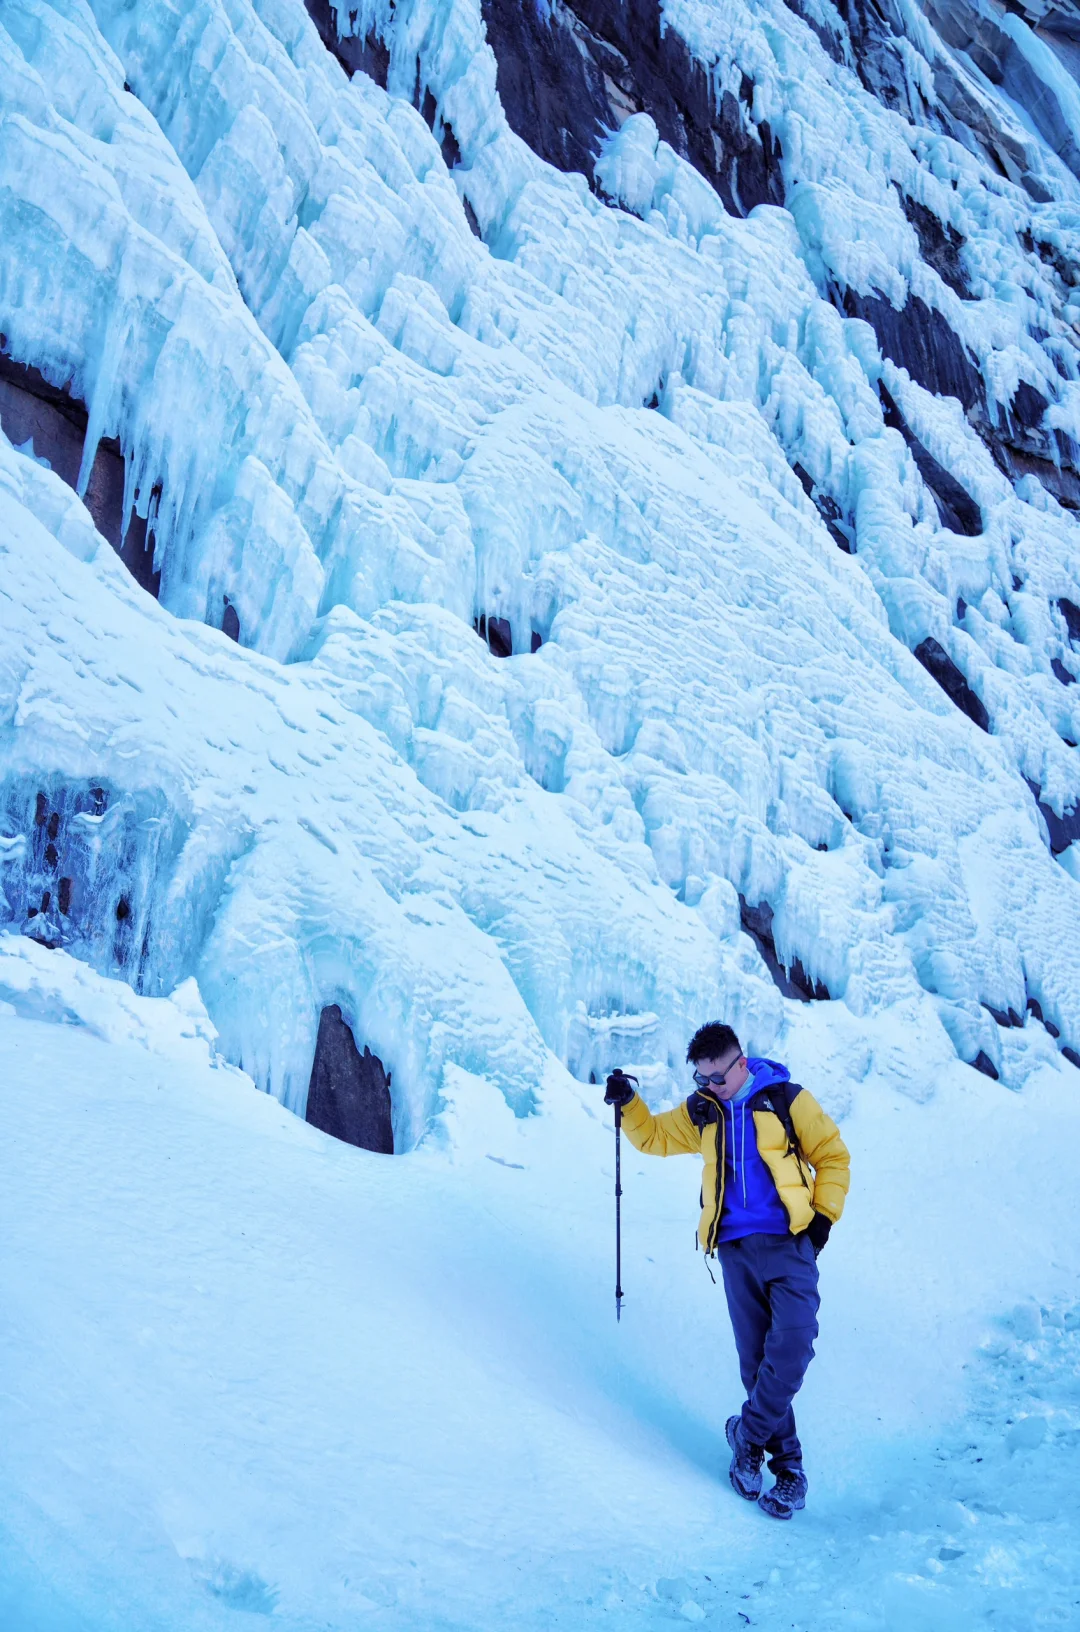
[618, 1075]
[618, 1212]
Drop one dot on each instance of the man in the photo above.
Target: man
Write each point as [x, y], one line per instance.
[776, 1174]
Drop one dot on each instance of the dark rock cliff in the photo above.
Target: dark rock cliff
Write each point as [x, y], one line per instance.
[349, 1092]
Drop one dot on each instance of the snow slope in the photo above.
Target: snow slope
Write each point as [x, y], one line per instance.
[251, 1370]
[377, 370]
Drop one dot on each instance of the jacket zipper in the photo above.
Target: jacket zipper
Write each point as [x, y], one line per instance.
[721, 1161]
[721, 1157]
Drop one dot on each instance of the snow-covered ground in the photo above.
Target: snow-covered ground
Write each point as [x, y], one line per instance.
[376, 371]
[251, 1370]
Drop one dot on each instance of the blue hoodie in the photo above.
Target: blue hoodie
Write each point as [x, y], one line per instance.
[751, 1203]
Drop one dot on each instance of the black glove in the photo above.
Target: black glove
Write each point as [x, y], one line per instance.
[817, 1231]
[620, 1088]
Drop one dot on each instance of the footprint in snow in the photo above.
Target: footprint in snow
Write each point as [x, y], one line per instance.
[240, 1589]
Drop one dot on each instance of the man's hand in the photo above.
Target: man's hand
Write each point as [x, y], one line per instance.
[818, 1231]
[620, 1088]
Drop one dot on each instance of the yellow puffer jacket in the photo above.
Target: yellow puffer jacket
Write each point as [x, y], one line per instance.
[811, 1172]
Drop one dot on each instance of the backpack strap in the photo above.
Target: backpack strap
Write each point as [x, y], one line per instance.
[702, 1109]
[777, 1098]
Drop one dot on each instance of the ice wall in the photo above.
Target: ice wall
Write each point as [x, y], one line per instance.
[391, 372]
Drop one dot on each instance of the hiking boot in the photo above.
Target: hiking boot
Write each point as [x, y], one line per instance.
[786, 1496]
[746, 1460]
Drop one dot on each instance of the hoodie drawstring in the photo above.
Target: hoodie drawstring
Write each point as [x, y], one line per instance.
[742, 1154]
[738, 1160]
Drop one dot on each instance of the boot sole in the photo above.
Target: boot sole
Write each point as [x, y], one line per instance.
[779, 1510]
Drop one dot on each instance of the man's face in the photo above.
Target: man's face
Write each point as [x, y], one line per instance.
[732, 1068]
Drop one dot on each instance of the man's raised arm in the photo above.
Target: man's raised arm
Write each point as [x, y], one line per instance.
[670, 1134]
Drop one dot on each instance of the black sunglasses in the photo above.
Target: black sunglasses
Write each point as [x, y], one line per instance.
[717, 1078]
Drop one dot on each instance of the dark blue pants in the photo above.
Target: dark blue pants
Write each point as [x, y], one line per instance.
[771, 1283]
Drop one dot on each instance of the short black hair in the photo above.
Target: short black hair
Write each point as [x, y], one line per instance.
[711, 1042]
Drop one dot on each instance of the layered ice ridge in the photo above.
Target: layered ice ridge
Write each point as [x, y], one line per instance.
[370, 426]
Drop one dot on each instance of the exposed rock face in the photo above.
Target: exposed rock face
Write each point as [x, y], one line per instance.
[958, 510]
[830, 38]
[568, 73]
[1022, 447]
[918, 337]
[875, 54]
[994, 49]
[937, 662]
[794, 982]
[496, 634]
[349, 1092]
[1061, 830]
[32, 410]
[940, 245]
[829, 511]
[367, 56]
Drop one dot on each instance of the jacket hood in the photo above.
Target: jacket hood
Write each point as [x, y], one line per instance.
[763, 1074]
